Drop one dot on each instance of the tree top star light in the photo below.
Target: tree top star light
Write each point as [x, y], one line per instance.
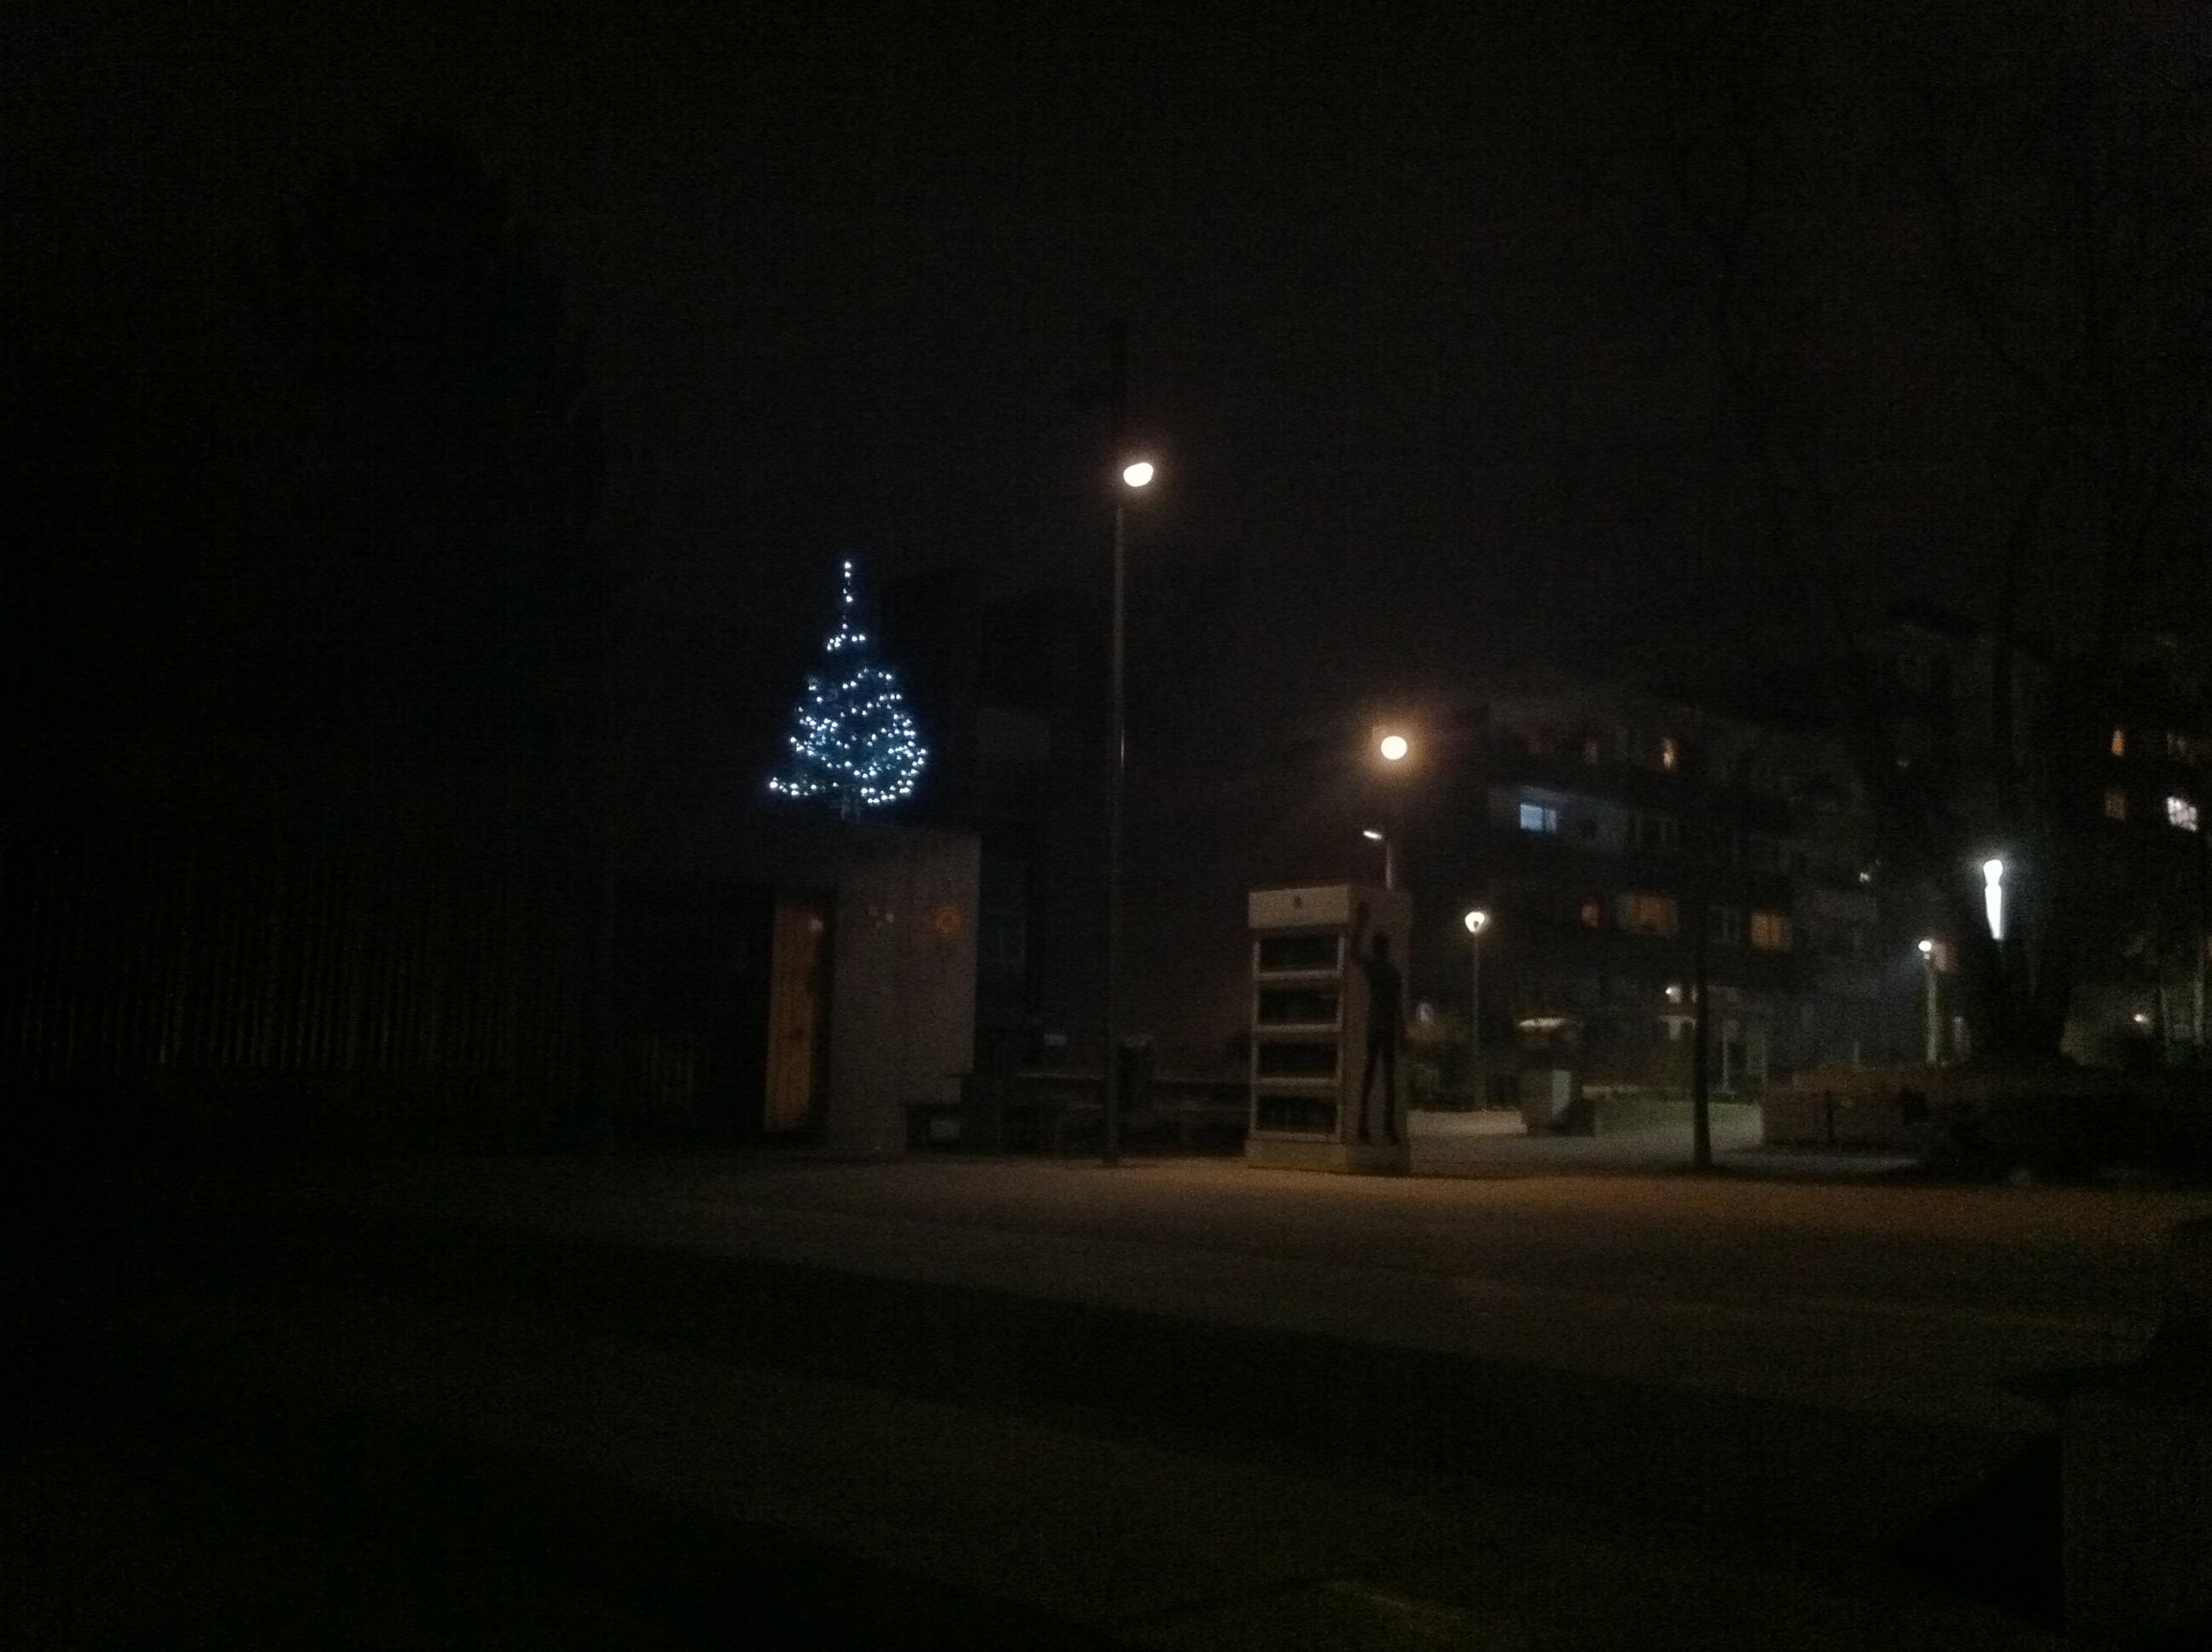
[851, 737]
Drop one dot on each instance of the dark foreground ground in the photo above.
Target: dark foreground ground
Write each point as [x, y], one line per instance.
[756, 1402]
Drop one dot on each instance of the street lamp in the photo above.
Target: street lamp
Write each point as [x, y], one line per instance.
[1393, 749]
[1137, 473]
[1935, 1040]
[1476, 920]
[1993, 871]
[1375, 835]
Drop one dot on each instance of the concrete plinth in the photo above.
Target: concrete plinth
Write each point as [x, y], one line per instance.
[2137, 1469]
[1343, 1157]
[2135, 1448]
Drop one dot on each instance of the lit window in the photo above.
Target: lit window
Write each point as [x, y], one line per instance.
[2116, 803]
[1670, 752]
[1539, 817]
[1648, 914]
[2180, 812]
[1590, 912]
[1770, 931]
[2119, 742]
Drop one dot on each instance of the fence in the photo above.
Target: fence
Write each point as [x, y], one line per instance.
[176, 978]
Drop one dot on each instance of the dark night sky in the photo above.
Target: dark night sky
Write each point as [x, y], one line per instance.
[1409, 333]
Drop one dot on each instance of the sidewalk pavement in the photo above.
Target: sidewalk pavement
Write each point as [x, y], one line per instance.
[1445, 1144]
[1185, 1404]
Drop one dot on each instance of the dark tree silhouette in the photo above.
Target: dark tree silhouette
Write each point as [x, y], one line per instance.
[2042, 179]
[2066, 179]
[118, 475]
[303, 604]
[425, 580]
[341, 509]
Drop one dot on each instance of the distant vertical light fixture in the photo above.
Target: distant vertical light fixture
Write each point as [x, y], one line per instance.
[1993, 871]
[1934, 1038]
[1377, 835]
[1476, 920]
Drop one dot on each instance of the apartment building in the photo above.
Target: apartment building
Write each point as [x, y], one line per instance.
[1622, 835]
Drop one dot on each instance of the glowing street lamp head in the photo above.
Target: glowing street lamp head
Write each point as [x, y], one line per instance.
[1137, 474]
[1927, 949]
[1394, 748]
[1370, 834]
[1476, 920]
[1993, 871]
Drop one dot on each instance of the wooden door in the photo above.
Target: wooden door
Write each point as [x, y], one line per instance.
[798, 1013]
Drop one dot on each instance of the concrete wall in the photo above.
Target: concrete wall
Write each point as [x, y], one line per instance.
[902, 996]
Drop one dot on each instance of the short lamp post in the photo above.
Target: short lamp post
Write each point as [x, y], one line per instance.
[1933, 1007]
[1476, 920]
[1393, 749]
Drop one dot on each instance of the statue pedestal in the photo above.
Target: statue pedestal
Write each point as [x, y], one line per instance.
[1310, 1014]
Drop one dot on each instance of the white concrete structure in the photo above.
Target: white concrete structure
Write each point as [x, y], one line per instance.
[902, 996]
[1309, 1027]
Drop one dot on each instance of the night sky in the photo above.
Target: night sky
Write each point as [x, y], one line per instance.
[1418, 334]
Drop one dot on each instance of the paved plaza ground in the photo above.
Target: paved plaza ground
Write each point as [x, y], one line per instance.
[1549, 1396]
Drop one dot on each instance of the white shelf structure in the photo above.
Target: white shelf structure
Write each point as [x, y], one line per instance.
[1309, 1015]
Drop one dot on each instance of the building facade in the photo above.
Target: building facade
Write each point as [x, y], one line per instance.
[1622, 841]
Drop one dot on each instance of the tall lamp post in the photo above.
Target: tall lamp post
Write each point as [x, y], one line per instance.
[1934, 1007]
[1476, 920]
[1138, 473]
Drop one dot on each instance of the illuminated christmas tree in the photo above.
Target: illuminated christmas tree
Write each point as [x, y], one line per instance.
[852, 738]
